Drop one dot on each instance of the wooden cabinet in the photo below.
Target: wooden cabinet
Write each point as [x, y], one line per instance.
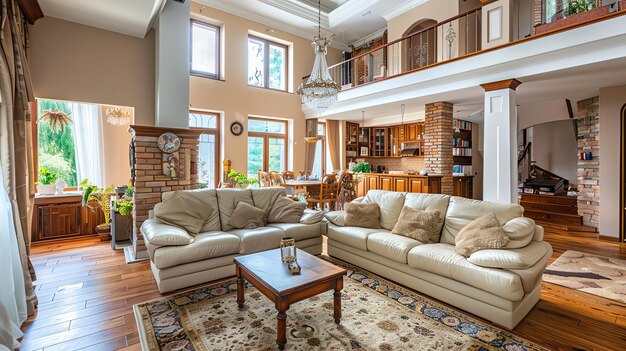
[413, 132]
[379, 142]
[416, 185]
[386, 183]
[463, 186]
[401, 184]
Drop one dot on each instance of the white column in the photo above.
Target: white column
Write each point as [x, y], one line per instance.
[172, 65]
[500, 138]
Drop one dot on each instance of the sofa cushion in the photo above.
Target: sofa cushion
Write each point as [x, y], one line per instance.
[264, 198]
[442, 259]
[336, 217]
[523, 258]
[416, 224]
[462, 211]
[390, 204]
[209, 198]
[299, 231]
[285, 210]
[353, 236]
[430, 202]
[205, 246]
[392, 246]
[365, 215]
[246, 216]
[161, 234]
[183, 210]
[227, 200]
[311, 216]
[258, 239]
[482, 233]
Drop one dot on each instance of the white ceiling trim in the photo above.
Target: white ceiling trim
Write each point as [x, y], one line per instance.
[237, 11]
[299, 9]
[391, 14]
[347, 11]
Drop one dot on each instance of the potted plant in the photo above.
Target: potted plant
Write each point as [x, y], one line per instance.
[572, 12]
[47, 180]
[122, 221]
[239, 180]
[102, 200]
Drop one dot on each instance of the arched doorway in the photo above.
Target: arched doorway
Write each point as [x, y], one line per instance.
[421, 49]
[622, 224]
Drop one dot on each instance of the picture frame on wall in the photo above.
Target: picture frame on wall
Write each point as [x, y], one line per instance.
[364, 151]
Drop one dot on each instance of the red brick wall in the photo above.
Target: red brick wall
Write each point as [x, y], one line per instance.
[588, 122]
[438, 134]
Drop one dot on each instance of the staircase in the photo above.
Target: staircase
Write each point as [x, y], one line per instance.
[554, 211]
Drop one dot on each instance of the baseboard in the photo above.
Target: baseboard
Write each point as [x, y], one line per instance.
[609, 238]
[130, 256]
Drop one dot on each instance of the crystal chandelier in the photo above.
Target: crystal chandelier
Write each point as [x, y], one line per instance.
[319, 91]
[118, 116]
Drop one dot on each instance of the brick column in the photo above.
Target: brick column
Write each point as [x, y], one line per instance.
[588, 123]
[438, 134]
[149, 180]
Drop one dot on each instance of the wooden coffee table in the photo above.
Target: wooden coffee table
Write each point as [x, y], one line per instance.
[266, 272]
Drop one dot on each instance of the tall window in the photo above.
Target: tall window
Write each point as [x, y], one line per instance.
[267, 145]
[56, 151]
[319, 165]
[205, 50]
[208, 155]
[267, 64]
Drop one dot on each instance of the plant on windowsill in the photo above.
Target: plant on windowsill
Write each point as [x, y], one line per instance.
[99, 198]
[47, 182]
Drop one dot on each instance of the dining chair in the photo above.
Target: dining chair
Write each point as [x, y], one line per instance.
[288, 175]
[305, 173]
[346, 189]
[276, 179]
[264, 179]
[327, 194]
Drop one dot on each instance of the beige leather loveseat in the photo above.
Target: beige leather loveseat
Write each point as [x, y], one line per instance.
[180, 260]
[499, 285]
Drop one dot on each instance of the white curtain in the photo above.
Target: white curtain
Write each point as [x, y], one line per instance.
[88, 142]
[13, 311]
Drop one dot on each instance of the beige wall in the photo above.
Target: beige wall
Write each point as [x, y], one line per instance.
[437, 10]
[611, 101]
[70, 61]
[554, 148]
[116, 140]
[236, 100]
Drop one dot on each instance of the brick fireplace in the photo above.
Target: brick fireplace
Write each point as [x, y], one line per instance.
[149, 178]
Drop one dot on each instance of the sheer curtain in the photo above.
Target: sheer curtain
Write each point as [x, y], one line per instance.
[13, 308]
[88, 142]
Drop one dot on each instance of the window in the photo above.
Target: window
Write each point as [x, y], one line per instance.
[205, 50]
[267, 64]
[267, 145]
[319, 165]
[208, 151]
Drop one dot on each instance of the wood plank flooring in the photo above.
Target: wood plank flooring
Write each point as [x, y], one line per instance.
[86, 292]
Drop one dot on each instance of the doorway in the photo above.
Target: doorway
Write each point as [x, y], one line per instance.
[622, 224]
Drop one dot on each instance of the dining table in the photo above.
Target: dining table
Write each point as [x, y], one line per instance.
[307, 186]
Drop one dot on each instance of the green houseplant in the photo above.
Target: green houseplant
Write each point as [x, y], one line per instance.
[46, 182]
[238, 179]
[99, 198]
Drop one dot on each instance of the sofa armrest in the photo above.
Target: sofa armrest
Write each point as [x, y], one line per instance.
[523, 258]
[520, 231]
[160, 234]
[335, 217]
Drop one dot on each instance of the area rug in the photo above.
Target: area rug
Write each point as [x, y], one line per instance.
[597, 275]
[377, 315]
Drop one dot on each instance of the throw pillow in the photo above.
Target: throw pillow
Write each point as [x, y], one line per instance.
[416, 224]
[365, 215]
[285, 210]
[183, 210]
[246, 216]
[311, 216]
[482, 233]
[336, 217]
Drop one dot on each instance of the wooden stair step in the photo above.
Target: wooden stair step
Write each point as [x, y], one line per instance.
[556, 208]
[565, 227]
[554, 217]
[552, 199]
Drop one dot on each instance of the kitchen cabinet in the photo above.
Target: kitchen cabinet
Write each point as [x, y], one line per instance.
[386, 183]
[401, 184]
[416, 185]
[412, 132]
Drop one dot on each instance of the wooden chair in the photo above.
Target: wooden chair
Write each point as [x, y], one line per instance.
[264, 179]
[328, 192]
[288, 175]
[305, 173]
[276, 179]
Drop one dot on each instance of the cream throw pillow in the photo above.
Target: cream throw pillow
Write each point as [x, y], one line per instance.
[311, 216]
[482, 233]
[185, 211]
[416, 224]
[286, 210]
[365, 215]
[246, 216]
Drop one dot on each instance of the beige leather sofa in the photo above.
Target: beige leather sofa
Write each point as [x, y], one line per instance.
[498, 285]
[180, 260]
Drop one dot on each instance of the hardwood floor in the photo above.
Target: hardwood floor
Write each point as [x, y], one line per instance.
[86, 292]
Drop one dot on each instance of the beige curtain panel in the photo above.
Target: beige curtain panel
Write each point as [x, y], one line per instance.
[332, 138]
[16, 148]
[311, 131]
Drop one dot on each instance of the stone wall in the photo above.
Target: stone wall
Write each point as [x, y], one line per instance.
[438, 135]
[588, 122]
[150, 181]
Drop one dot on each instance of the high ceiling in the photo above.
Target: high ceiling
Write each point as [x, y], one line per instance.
[130, 17]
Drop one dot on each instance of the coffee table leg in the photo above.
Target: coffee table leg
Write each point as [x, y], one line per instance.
[281, 325]
[337, 299]
[240, 287]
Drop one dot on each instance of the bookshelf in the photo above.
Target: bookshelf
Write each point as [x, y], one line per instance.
[462, 147]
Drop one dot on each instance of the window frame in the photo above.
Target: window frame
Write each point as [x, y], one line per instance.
[266, 138]
[266, 63]
[212, 131]
[218, 52]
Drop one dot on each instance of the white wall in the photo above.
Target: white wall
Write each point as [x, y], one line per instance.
[542, 112]
[611, 101]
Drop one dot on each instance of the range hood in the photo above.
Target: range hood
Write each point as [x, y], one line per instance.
[410, 152]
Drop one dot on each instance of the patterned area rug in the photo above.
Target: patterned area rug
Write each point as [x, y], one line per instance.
[377, 315]
[597, 275]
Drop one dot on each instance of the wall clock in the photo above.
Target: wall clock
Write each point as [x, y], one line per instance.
[169, 142]
[236, 128]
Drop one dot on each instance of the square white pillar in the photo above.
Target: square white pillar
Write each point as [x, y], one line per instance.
[500, 142]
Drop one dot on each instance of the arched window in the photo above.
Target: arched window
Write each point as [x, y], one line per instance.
[421, 48]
